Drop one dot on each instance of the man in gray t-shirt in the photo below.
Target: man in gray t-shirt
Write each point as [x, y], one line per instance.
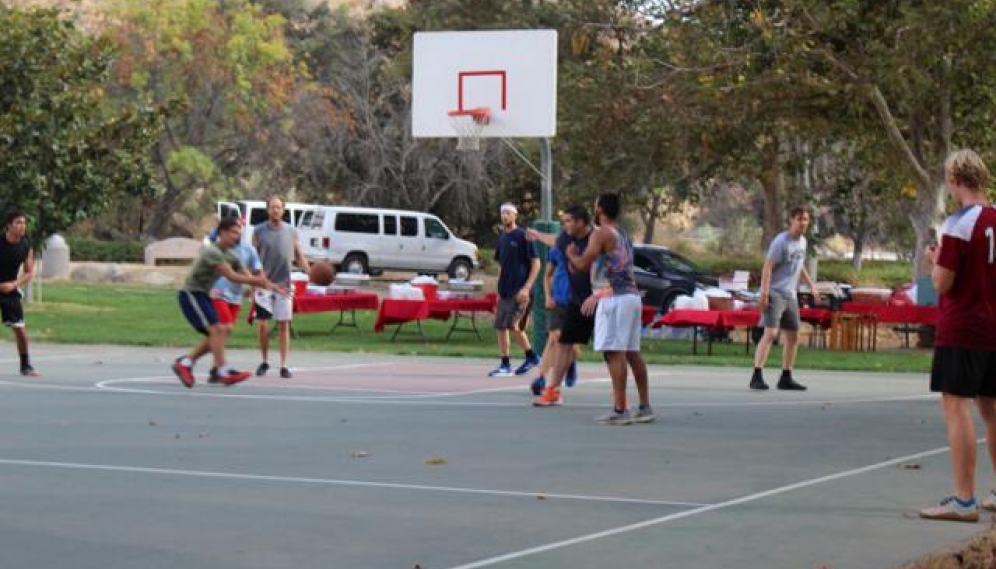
[277, 244]
[778, 303]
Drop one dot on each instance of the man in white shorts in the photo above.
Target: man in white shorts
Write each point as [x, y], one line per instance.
[277, 244]
[617, 309]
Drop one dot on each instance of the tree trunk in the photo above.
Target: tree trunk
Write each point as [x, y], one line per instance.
[773, 190]
[856, 255]
[162, 213]
[653, 214]
[927, 216]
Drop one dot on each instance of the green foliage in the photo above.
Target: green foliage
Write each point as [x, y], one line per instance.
[83, 249]
[888, 274]
[67, 152]
[230, 79]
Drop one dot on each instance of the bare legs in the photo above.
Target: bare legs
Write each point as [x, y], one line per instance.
[618, 364]
[283, 339]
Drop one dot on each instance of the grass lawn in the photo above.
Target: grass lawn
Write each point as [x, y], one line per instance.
[148, 316]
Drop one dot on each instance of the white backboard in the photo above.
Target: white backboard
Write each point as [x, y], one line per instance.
[513, 73]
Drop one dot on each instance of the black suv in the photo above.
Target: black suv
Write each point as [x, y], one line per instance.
[662, 275]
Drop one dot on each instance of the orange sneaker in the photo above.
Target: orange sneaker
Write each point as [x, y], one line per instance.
[549, 398]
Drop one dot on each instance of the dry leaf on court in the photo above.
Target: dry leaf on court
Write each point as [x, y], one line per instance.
[358, 454]
[152, 423]
[435, 460]
[911, 466]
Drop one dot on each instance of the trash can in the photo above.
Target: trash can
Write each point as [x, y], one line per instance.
[55, 258]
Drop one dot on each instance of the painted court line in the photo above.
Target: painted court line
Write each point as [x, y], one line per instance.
[48, 358]
[438, 399]
[412, 398]
[700, 510]
[337, 482]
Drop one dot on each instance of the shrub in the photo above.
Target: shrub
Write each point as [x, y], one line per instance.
[84, 249]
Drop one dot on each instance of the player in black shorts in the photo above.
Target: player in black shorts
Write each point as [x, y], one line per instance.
[577, 328]
[15, 252]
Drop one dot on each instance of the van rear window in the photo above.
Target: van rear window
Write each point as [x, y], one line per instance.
[357, 222]
[409, 226]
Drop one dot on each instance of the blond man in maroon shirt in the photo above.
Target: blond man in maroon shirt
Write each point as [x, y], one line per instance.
[964, 366]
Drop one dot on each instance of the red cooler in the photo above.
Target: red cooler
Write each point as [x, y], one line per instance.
[428, 290]
[300, 288]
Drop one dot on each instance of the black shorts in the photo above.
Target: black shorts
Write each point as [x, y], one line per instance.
[11, 309]
[577, 328]
[963, 372]
[554, 318]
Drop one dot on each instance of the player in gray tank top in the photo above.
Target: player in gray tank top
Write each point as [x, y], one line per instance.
[277, 244]
[276, 250]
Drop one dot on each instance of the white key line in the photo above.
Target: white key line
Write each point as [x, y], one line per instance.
[338, 482]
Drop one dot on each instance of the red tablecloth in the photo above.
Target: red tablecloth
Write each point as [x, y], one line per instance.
[647, 316]
[395, 311]
[734, 318]
[888, 314]
[441, 309]
[308, 303]
[682, 318]
[816, 316]
[709, 319]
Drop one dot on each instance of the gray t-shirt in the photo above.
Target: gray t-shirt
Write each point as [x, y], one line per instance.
[787, 256]
[276, 250]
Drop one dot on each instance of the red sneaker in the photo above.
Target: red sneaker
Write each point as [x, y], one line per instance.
[234, 377]
[185, 373]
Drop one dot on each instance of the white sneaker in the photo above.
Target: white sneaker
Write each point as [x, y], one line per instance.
[644, 415]
[950, 509]
[615, 418]
[989, 502]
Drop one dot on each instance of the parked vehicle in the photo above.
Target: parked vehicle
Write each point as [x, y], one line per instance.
[363, 240]
[253, 212]
[663, 275]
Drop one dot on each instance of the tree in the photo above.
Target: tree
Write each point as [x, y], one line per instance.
[227, 65]
[922, 69]
[66, 153]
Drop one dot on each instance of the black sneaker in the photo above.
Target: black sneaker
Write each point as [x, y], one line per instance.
[28, 371]
[286, 373]
[757, 381]
[262, 369]
[788, 384]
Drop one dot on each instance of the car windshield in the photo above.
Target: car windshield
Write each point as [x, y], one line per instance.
[677, 263]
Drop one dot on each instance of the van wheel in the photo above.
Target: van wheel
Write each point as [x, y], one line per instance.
[460, 269]
[356, 264]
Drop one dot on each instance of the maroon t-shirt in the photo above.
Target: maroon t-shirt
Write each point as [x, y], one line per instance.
[968, 310]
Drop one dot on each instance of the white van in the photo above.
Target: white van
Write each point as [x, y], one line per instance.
[361, 240]
[253, 212]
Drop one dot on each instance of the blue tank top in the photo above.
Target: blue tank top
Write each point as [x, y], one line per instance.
[619, 265]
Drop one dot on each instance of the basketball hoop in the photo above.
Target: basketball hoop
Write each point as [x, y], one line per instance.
[469, 124]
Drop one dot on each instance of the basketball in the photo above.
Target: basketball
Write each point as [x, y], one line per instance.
[322, 273]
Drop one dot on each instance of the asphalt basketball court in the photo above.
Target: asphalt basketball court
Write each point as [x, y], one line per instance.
[378, 461]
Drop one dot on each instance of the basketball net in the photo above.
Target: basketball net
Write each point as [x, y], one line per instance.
[469, 125]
